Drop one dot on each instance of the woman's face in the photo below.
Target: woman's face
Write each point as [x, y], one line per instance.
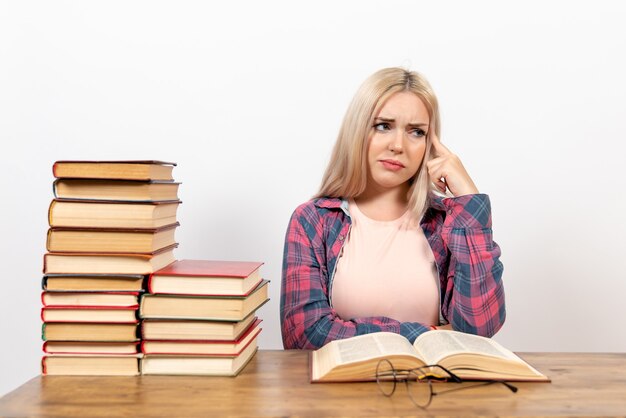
[397, 142]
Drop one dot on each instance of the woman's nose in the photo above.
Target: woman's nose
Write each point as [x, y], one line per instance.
[395, 144]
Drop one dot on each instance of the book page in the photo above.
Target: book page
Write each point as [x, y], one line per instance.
[435, 345]
[375, 345]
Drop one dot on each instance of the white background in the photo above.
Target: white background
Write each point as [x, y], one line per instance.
[247, 97]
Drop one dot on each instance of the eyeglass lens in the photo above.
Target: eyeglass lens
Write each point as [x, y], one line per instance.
[420, 390]
[386, 377]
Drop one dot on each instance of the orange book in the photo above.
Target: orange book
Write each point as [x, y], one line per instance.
[206, 277]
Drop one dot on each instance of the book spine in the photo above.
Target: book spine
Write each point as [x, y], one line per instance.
[44, 283]
[43, 331]
[43, 365]
[150, 282]
[48, 236]
[54, 189]
[50, 212]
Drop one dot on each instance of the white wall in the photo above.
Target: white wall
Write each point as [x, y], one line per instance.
[248, 96]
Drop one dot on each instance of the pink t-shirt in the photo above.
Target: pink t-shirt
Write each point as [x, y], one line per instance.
[386, 268]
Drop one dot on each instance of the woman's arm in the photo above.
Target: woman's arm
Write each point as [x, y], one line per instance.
[474, 295]
[307, 320]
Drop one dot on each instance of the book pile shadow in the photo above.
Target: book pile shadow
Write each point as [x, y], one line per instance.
[112, 223]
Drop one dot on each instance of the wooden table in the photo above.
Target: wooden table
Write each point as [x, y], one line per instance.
[276, 383]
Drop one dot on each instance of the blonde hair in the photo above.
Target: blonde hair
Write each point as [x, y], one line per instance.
[346, 174]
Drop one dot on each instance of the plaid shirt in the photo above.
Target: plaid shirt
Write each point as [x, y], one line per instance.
[459, 232]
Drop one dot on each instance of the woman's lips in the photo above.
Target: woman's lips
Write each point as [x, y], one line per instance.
[392, 165]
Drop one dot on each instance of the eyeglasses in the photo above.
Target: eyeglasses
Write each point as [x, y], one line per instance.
[419, 381]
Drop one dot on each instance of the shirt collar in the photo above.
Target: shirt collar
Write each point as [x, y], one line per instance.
[332, 203]
[435, 201]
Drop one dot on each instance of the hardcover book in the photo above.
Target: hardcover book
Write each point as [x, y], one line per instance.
[121, 170]
[111, 214]
[90, 365]
[198, 365]
[75, 331]
[218, 308]
[110, 240]
[168, 329]
[146, 191]
[77, 347]
[199, 347]
[122, 263]
[91, 314]
[206, 277]
[74, 299]
[92, 282]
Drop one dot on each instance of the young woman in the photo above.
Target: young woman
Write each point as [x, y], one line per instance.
[398, 237]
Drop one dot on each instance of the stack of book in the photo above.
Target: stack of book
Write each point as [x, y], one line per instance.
[112, 223]
[199, 317]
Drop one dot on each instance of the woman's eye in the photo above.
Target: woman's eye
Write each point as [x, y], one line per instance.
[418, 132]
[383, 126]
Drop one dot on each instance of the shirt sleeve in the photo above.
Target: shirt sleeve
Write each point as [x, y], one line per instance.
[474, 295]
[307, 319]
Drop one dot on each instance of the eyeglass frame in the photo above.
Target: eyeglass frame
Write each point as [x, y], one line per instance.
[403, 375]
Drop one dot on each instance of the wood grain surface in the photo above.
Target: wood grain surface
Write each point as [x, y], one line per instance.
[276, 383]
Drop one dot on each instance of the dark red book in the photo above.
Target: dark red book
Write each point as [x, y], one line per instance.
[206, 277]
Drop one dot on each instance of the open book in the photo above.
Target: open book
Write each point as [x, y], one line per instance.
[466, 355]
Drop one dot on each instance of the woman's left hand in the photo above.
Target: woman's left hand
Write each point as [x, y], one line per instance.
[447, 171]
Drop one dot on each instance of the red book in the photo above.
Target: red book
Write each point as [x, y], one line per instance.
[202, 348]
[90, 347]
[206, 278]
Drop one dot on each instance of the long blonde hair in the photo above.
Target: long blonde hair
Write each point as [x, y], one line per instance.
[346, 174]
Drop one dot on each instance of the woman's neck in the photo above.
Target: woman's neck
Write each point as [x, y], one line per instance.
[383, 205]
